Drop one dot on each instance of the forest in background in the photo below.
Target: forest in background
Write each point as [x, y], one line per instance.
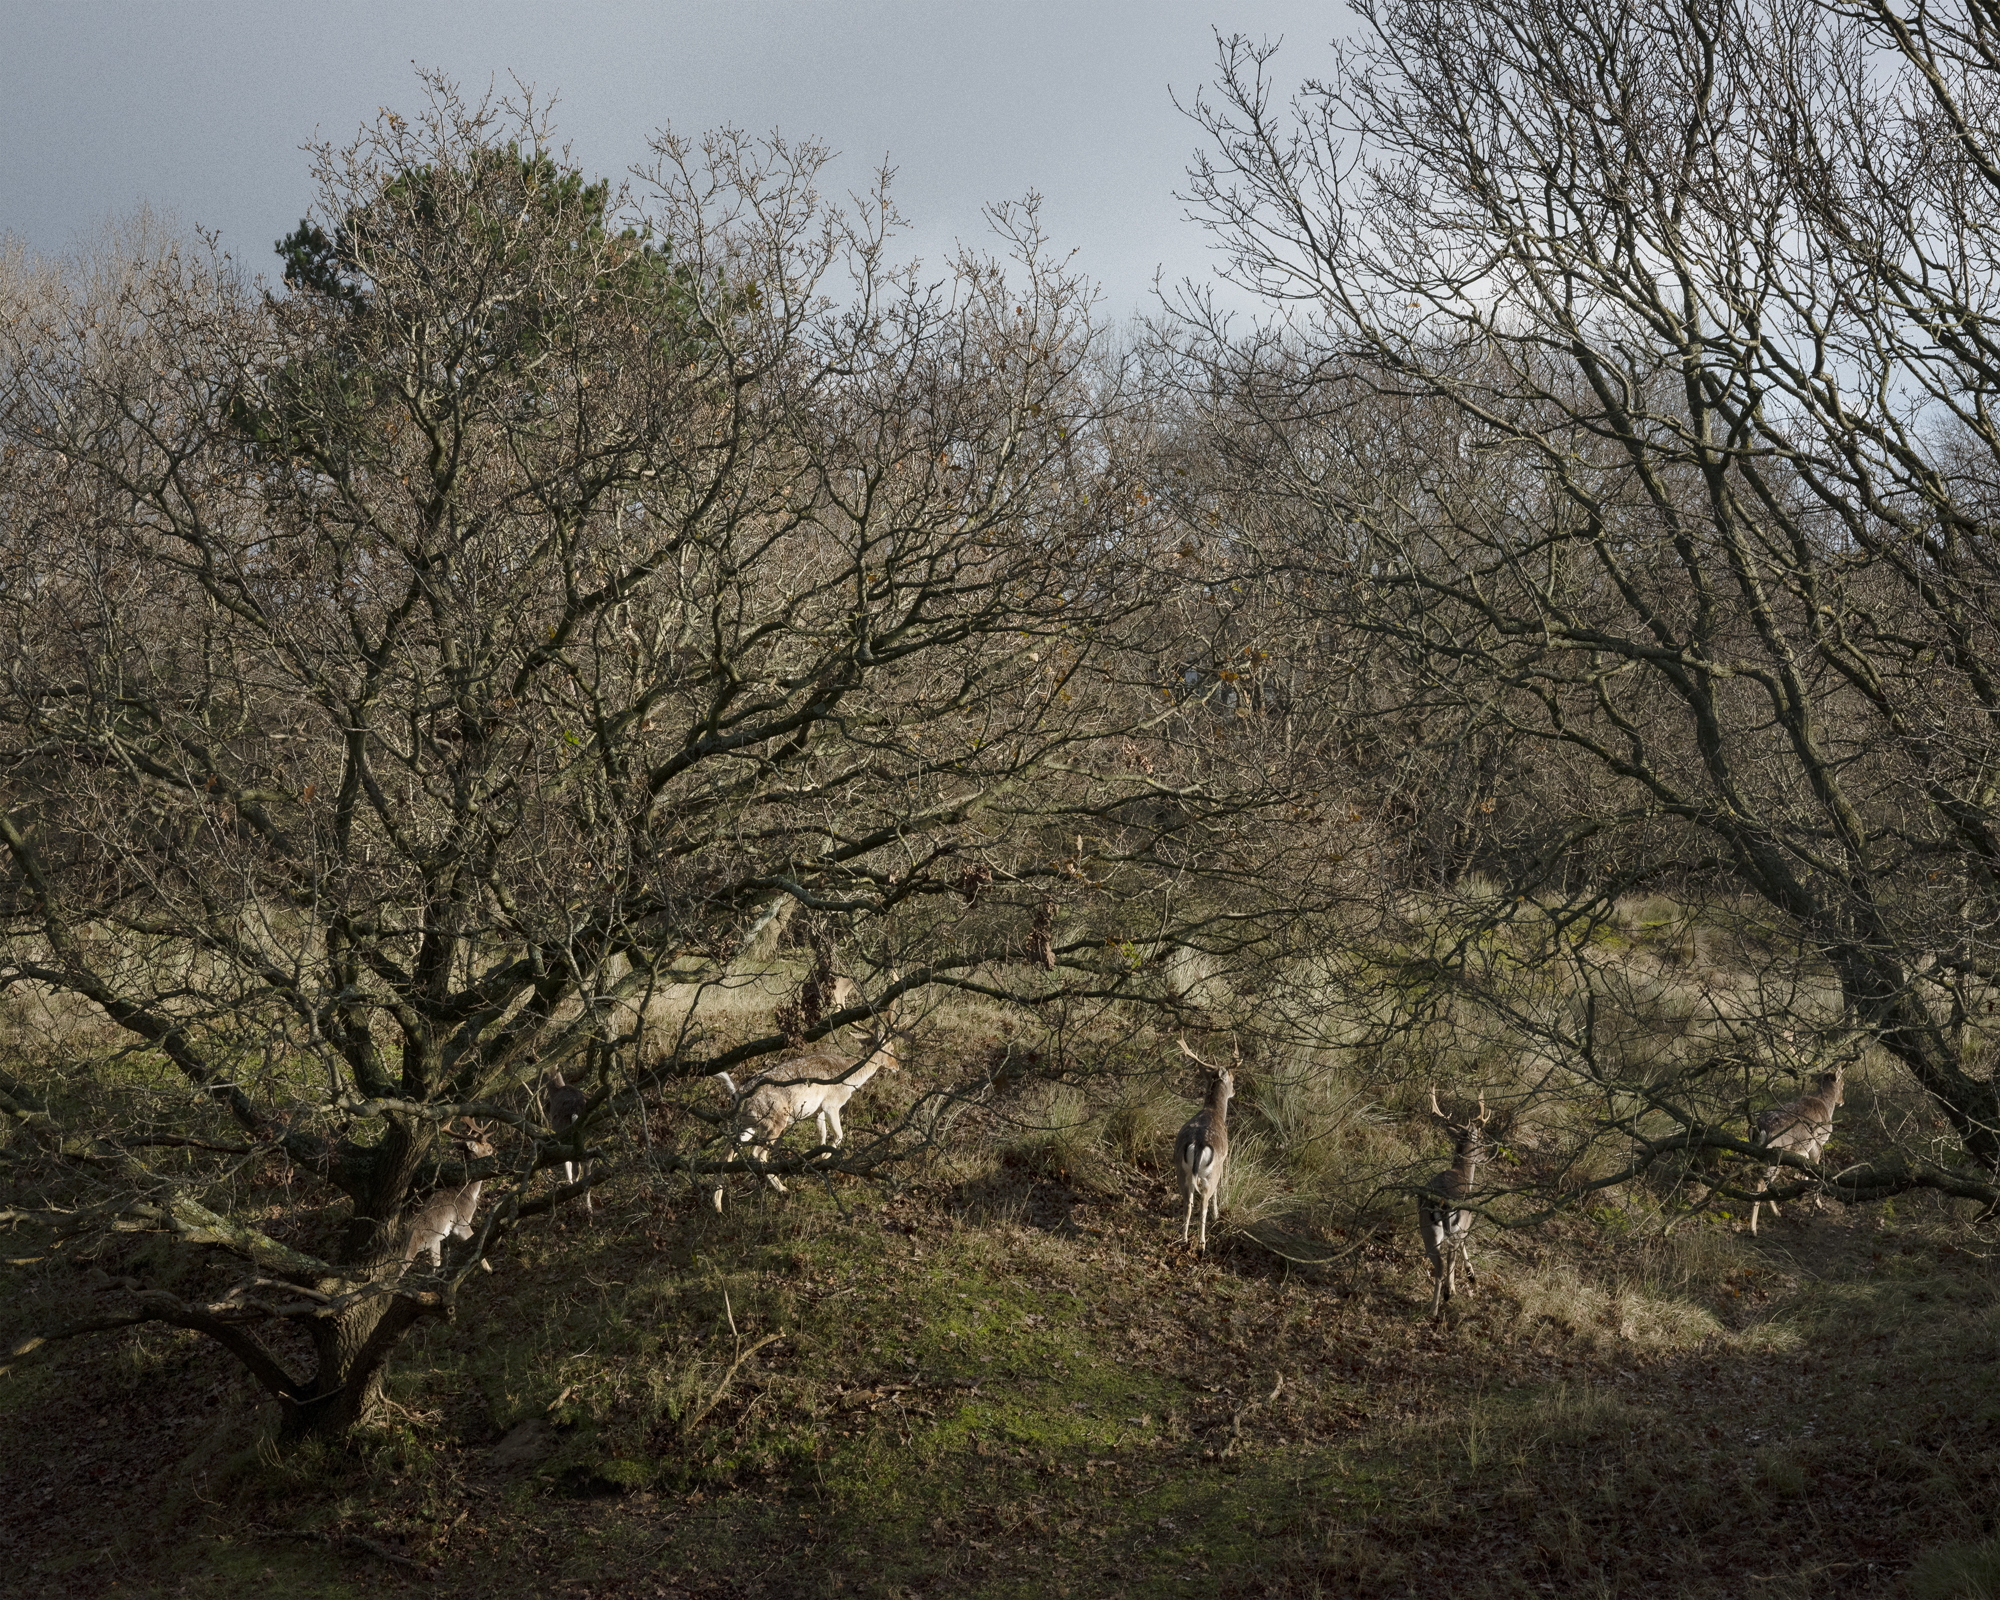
[644, 632]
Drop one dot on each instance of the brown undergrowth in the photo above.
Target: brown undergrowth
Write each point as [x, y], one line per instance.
[997, 1382]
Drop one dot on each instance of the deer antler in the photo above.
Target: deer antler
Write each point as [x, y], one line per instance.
[1438, 1110]
[1195, 1058]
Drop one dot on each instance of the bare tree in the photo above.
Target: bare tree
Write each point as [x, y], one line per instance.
[412, 679]
[1627, 399]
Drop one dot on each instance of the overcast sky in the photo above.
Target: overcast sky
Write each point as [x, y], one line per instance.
[200, 106]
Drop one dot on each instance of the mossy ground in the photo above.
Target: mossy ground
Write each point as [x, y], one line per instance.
[996, 1384]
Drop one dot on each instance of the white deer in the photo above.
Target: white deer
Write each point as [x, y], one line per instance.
[817, 1083]
[449, 1212]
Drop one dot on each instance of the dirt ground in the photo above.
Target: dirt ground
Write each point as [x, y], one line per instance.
[1007, 1386]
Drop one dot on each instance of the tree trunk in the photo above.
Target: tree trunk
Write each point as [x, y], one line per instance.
[351, 1351]
[1879, 989]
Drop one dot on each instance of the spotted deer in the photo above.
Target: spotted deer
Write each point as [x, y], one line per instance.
[1202, 1150]
[1799, 1127]
[1442, 1223]
[817, 1083]
[449, 1212]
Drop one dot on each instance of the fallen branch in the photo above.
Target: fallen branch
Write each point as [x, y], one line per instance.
[1339, 1253]
[727, 1378]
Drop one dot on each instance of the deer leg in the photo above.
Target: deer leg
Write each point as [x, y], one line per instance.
[1762, 1184]
[1187, 1216]
[839, 1133]
[777, 1182]
[1430, 1234]
[763, 1154]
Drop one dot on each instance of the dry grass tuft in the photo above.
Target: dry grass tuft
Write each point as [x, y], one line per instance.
[1958, 1572]
[1140, 1126]
[1061, 1138]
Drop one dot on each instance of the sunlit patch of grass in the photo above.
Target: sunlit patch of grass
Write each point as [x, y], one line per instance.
[1640, 1313]
[1140, 1126]
[1062, 1138]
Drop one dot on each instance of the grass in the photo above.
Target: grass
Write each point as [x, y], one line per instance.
[994, 1382]
[1002, 1374]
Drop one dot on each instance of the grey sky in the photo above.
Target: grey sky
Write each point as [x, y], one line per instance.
[200, 108]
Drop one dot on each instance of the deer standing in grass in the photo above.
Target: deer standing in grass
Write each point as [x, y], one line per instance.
[1202, 1150]
[1801, 1127]
[450, 1211]
[1441, 1222]
[564, 1103]
[817, 1083]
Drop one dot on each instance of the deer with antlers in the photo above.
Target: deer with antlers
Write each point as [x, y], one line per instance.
[1202, 1150]
[1442, 1222]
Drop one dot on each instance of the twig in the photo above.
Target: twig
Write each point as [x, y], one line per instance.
[345, 1540]
[1236, 1422]
[1340, 1253]
[723, 1387]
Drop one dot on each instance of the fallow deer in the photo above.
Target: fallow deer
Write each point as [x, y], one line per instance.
[1202, 1150]
[449, 1212]
[564, 1103]
[1441, 1222]
[817, 1083]
[1799, 1127]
